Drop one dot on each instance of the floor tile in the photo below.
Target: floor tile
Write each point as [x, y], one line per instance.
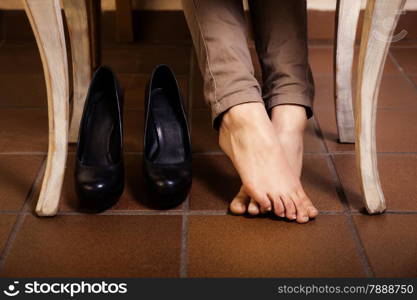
[216, 183]
[228, 246]
[131, 199]
[197, 90]
[414, 79]
[6, 225]
[321, 62]
[135, 87]
[156, 27]
[395, 131]
[13, 95]
[136, 58]
[312, 140]
[407, 58]
[395, 92]
[17, 176]
[20, 59]
[96, 246]
[319, 183]
[23, 130]
[398, 174]
[133, 130]
[390, 243]
[121, 58]
[204, 136]
[320, 25]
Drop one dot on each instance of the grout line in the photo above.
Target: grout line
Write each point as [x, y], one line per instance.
[184, 247]
[319, 133]
[388, 212]
[138, 153]
[366, 264]
[124, 213]
[342, 197]
[186, 206]
[21, 216]
[337, 183]
[379, 153]
[184, 239]
[351, 224]
[195, 213]
[208, 213]
[43, 108]
[23, 153]
[185, 212]
[402, 71]
[12, 237]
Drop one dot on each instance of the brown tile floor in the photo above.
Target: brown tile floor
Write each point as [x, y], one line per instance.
[199, 238]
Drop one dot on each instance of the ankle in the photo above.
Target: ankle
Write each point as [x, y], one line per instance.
[289, 119]
[242, 115]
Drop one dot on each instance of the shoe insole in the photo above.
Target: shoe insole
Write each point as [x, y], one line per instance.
[98, 132]
[167, 143]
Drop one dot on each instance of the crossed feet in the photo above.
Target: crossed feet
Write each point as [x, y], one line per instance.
[267, 154]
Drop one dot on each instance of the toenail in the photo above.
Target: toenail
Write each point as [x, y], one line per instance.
[269, 208]
[294, 217]
[282, 215]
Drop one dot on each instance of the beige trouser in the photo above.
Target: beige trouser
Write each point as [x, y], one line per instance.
[218, 29]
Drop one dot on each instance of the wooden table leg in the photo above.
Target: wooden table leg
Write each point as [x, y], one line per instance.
[46, 20]
[381, 18]
[346, 24]
[79, 15]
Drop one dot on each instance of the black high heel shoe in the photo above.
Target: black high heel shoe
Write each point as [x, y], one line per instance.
[99, 169]
[167, 146]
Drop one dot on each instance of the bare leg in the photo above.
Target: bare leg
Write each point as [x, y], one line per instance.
[281, 42]
[247, 136]
[262, 160]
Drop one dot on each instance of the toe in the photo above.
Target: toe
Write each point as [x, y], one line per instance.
[311, 210]
[253, 207]
[261, 199]
[302, 212]
[290, 211]
[302, 217]
[279, 208]
[239, 203]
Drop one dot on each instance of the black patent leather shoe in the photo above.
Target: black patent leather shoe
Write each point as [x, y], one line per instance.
[167, 147]
[99, 169]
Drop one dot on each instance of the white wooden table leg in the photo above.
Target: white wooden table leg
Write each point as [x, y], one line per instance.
[46, 21]
[78, 27]
[381, 18]
[346, 25]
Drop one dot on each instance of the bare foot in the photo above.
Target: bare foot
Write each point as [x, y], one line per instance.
[248, 137]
